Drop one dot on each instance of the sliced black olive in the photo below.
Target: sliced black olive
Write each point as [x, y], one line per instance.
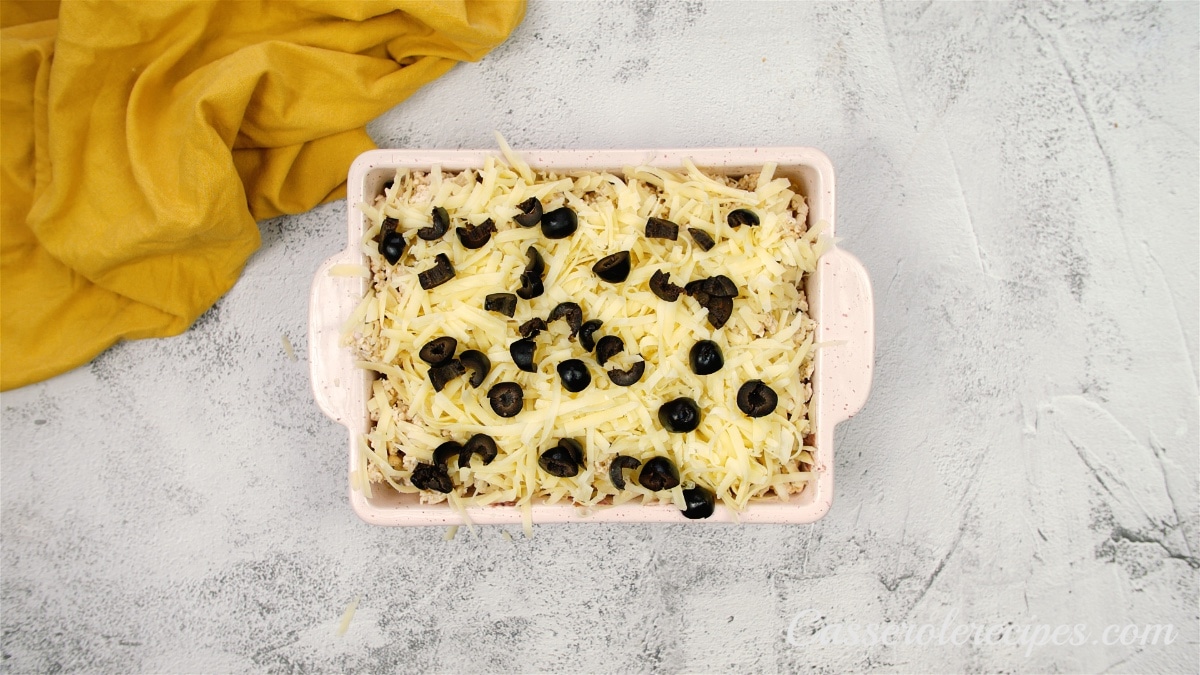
[445, 451]
[441, 223]
[506, 398]
[531, 286]
[706, 358]
[574, 375]
[535, 265]
[391, 247]
[441, 375]
[660, 284]
[659, 473]
[680, 415]
[479, 444]
[742, 217]
[532, 327]
[522, 354]
[700, 502]
[387, 186]
[431, 477]
[504, 303]
[624, 378]
[570, 311]
[702, 239]
[585, 333]
[479, 364]
[574, 448]
[613, 268]
[441, 272]
[563, 460]
[616, 469]
[608, 347]
[558, 462]
[559, 223]
[531, 212]
[661, 228]
[531, 278]
[756, 399]
[719, 286]
[438, 351]
[719, 311]
[388, 226]
[475, 236]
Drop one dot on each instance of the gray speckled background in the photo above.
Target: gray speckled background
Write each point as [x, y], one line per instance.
[1021, 182]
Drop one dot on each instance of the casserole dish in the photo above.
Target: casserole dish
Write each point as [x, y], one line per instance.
[839, 296]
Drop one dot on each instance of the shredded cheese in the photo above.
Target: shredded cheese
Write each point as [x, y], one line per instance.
[768, 337]
[287, 347]
[348, 615]
[345, 270]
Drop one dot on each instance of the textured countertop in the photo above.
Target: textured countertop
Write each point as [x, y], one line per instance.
[1019, 179]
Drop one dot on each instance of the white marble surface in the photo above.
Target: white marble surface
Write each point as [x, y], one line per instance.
[1021, 182]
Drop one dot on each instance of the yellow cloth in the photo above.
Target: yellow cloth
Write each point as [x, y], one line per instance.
[143, 140]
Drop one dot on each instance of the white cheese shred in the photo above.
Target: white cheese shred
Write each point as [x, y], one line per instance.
[287, 348]
[345, 270]
[348, 615]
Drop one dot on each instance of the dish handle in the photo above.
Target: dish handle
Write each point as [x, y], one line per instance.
[847, 326]
[331, 365]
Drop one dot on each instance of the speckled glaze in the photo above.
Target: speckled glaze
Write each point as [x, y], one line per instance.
[840, 303]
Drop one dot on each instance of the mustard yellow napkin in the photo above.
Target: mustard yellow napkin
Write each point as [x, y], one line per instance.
[141, 142]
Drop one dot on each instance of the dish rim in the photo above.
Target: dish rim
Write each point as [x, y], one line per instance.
[839, 296]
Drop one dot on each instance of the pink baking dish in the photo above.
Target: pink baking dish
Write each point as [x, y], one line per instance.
[839, 297]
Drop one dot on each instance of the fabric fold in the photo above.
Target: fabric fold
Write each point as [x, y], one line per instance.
[143, 141]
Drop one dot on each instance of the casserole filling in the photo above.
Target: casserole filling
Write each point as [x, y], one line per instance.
[587, 337]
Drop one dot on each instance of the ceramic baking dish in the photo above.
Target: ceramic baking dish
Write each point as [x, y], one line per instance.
[839, 297]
